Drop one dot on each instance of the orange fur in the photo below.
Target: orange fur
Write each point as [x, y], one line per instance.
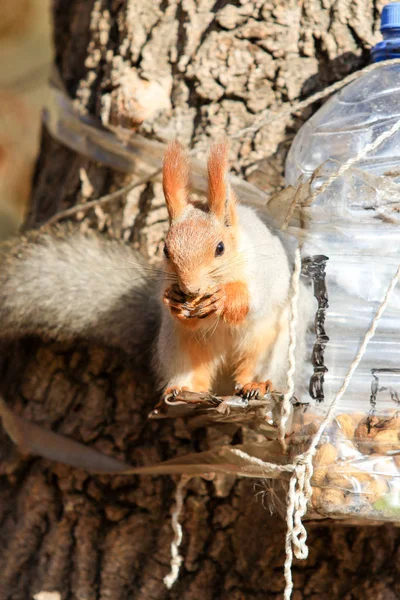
[258, 387]
[201, 359]
[236, 303]
[221, 199]
[191, 243]
[247, 363]
[175, 179]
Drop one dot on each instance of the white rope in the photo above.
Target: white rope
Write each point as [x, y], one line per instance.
[267, 467]
[287, 569]
[266, 117]
[347, 165]
[176, 558]
[336, 174]
[286, 402]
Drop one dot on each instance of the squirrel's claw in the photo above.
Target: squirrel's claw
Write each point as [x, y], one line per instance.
[254, 390]
[179, 310]
[172, 392]
[196, 308]
[214, 306]
[174, 294]
[176, 302]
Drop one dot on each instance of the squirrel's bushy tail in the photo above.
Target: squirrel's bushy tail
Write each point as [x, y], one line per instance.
[66, 285]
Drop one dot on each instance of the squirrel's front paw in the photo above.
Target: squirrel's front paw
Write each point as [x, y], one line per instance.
[178, 304]
[185, 308]
[256, 389]
[173, 296]
[210, 304]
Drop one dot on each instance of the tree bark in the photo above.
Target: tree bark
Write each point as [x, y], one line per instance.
[214, 65]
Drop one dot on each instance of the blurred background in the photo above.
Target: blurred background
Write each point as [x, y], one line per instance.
[26, 56]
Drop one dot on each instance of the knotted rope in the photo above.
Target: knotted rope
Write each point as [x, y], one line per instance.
[176, 558]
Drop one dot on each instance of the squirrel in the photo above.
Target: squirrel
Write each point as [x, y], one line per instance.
[214, 314]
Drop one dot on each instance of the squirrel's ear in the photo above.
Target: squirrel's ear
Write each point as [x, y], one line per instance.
[221, 199]
[175, 179]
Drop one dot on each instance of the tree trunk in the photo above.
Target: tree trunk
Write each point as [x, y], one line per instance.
[214, 65]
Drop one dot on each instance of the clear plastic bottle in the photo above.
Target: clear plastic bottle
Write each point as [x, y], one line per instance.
[355, 116]
[355, 223]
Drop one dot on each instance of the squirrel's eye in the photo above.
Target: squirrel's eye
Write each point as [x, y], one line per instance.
[220, 249]
[166, 253]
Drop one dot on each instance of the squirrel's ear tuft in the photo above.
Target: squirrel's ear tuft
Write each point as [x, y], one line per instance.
[175, 179]
[221, 198]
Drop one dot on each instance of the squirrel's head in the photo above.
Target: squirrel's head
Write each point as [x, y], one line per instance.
[202, 239]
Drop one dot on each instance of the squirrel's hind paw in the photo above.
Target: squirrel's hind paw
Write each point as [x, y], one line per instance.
[256, 389]
[171, 393]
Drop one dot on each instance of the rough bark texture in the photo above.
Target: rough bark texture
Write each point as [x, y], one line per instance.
[215, 64]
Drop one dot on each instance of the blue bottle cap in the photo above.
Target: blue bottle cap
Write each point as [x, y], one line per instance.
[390, 28]
[390, 17]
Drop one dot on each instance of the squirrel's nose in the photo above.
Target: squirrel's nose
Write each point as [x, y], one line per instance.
[189, 288]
